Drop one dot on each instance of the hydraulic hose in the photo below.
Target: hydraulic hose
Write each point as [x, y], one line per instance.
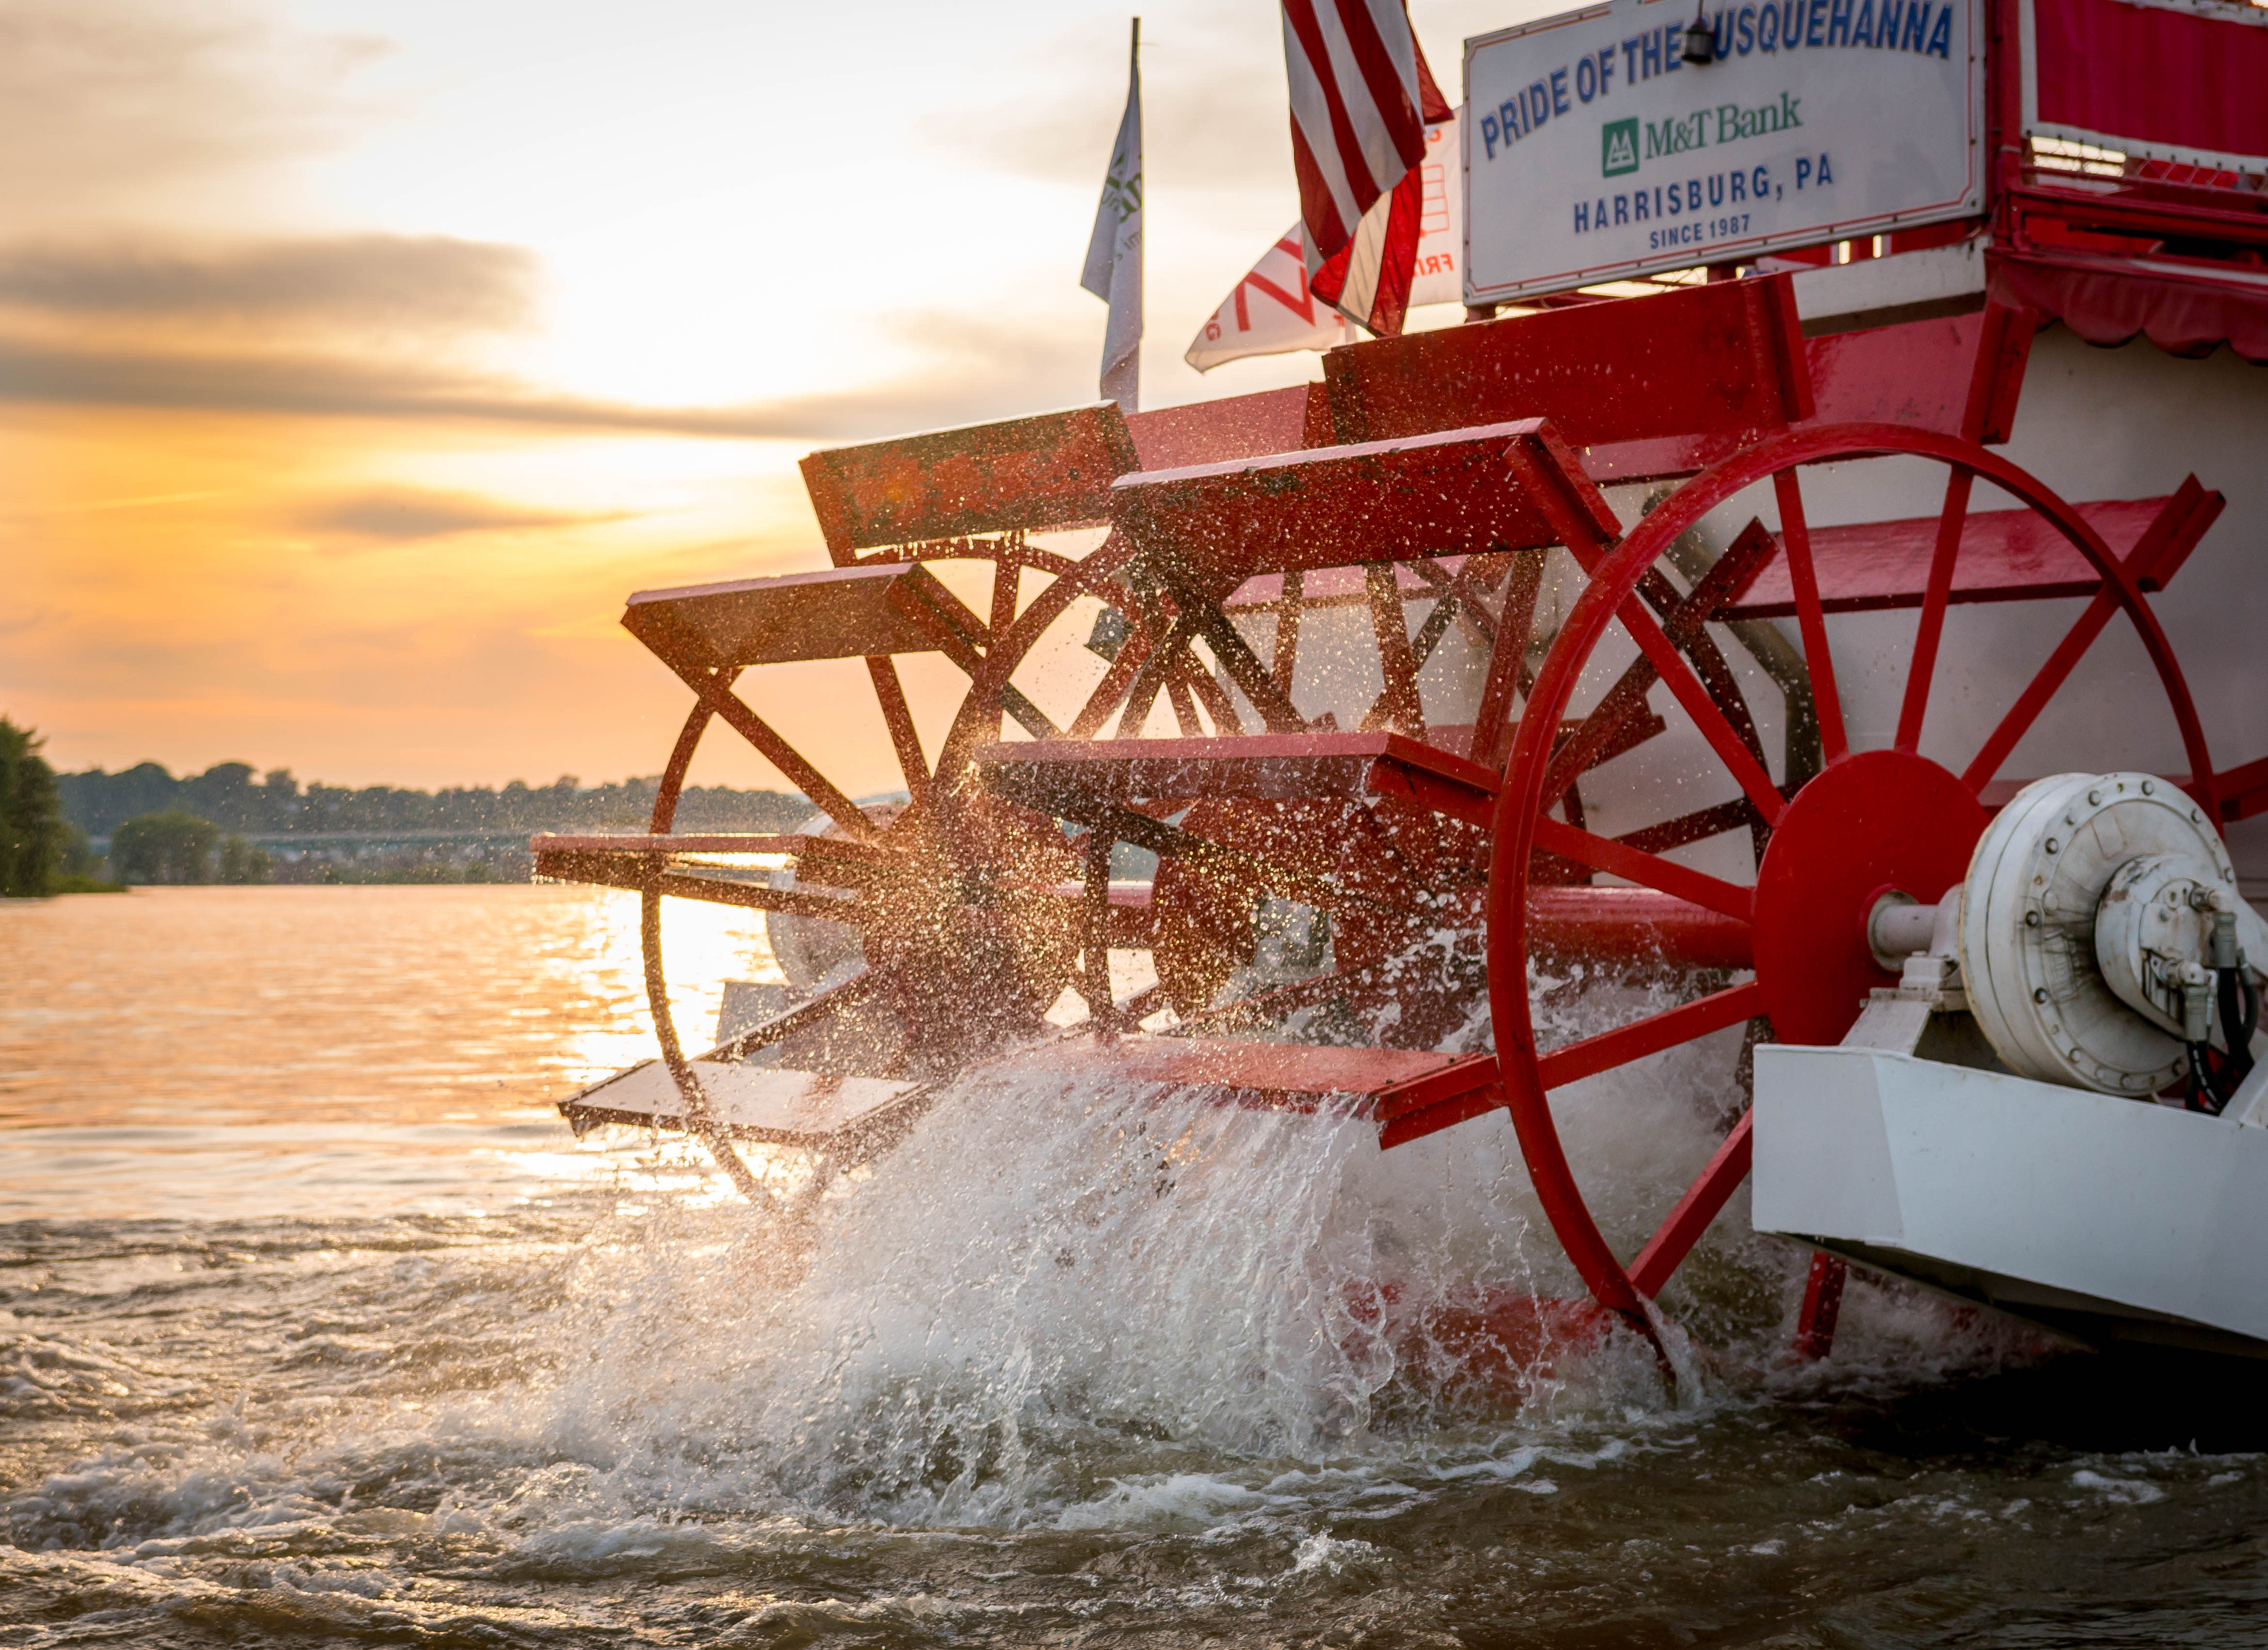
[2210, 1089]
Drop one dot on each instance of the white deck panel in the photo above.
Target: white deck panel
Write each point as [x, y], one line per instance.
[752, 1103]
[2055, 1202]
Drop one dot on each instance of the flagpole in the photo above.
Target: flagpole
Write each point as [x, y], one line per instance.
[1113, 252]
[1127, 390]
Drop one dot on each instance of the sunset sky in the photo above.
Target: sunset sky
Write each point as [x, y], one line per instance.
[358, 356]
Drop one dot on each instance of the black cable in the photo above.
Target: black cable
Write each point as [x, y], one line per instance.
[2239, 1014]
[2210, 1089]
[2200, 1097]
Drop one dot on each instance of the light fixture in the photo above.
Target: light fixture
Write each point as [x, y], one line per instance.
[1700, 38]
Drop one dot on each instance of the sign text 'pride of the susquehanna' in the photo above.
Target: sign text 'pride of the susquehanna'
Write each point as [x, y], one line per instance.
[1594, 151]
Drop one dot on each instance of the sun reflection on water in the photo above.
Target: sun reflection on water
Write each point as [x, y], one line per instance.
[217, 1050]
[703, 945]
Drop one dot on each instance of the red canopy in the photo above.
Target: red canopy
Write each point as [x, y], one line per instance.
[2139, 202]
[2108, 300]
[2167, 78]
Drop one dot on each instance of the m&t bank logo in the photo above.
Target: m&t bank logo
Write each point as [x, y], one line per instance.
[1619, 147]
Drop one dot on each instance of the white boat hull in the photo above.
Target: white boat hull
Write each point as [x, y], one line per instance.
[2109, 1218]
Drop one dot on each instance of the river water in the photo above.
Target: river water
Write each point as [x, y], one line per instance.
[315, 1323]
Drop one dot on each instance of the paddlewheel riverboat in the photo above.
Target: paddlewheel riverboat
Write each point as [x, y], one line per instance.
[1838, 617]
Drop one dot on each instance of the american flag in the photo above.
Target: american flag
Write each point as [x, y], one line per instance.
[1361, 99]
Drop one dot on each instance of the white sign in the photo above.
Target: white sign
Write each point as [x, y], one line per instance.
[1270, 310]
[1594, 152]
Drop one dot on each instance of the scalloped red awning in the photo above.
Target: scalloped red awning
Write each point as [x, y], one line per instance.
[2110, 301]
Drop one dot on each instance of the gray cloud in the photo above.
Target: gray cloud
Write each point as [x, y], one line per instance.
[967, 375]
[1216, 109]
[368, 281]
[1221, 138]
[1213, 107]
[400, 514]
[109, 105]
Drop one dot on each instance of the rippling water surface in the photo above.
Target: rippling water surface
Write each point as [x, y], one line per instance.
[315, 1324]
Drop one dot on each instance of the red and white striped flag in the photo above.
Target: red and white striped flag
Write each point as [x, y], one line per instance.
[1361, 99]
[1273, 309]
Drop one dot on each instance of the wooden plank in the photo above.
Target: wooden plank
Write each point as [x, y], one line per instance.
[1917, 374]
[2005, 555]
[797, 844]
[840, 612]
[750, 1102]
[1284, 1076]
[1051, 470]
[643, 873]
[1721, 358]
[1209, 528]
[1074, 778]
[1214, 432]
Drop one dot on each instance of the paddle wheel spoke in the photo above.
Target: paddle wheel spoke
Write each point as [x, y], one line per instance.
[1701, 1203]
[733, 711]
[898, 716]
[1508, 666]
[1244, 668]
[2180, 522]
[1688, 828]
[2042, 688]
[1597, 739]
[1094, 926]
[1156, 671]
[1216, 701]
[1707, 717]
[1008, 582]
[1117, 682]
[1935, 598]
[964, 640]
[1795, 544]
[1436, 626]
[1184, 703]
[1573, 1062]
[1620, 860]
[1286, 649]
[1397, 705]
[1474, 585]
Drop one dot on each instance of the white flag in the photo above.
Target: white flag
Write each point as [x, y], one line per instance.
[1114, 253]
[1272, 311]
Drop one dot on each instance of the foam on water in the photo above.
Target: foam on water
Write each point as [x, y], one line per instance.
[1058, 1305]
[1053, 1289]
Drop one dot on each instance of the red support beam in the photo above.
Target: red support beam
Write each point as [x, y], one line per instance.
[1700, 1205]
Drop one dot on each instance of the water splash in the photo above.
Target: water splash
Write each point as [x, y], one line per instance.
[1052, 1286]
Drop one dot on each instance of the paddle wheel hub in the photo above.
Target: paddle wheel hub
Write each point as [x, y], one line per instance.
[1875, 823]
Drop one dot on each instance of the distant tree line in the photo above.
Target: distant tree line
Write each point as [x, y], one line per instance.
[192, 829]
[176, 846]
[40, 851]
[229, 796]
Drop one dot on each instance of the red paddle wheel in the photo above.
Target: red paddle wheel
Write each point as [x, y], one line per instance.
[1395, 712]
[1380, 701]
[1869, 823]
